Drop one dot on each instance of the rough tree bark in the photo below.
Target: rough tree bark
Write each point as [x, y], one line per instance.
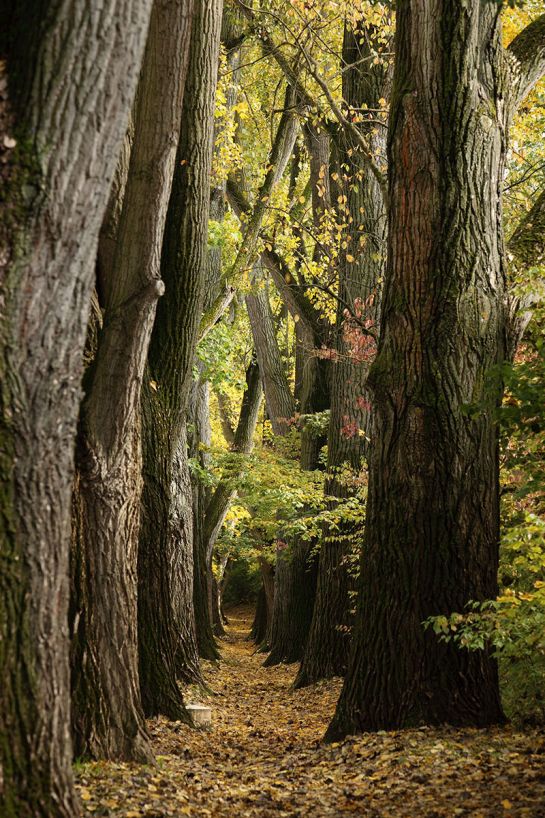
[431, 542]
[107, 716]
[71, 72]
[360, 269]
[166, 621]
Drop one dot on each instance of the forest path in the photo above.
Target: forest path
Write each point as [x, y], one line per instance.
[262, 758]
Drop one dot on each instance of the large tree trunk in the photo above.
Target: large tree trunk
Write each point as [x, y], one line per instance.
[432, 533]
[360, 269]
[56, 181]
[107, 714]
[166, 622]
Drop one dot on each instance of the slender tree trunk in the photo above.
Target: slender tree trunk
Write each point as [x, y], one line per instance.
[218, 296]
[221, 499]
[107, 714]
[166, 623]
[432, 532]
[199, 414]
[361, 266]
[278, 397]
[214, 515]
[218, 619]
[296, 574]
[243, 444]
[55, 189]
[258, 633]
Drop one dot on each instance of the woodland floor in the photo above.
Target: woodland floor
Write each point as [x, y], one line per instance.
[263, 758]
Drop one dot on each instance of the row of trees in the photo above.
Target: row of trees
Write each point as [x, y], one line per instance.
[144, 223]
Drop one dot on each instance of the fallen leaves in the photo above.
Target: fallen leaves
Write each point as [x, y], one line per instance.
[263, 758]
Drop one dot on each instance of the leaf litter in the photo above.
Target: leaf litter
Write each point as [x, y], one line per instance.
[263, 758]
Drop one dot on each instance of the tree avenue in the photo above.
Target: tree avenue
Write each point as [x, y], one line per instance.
[272, 360]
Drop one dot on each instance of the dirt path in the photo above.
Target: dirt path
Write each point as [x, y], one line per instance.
[263, 759]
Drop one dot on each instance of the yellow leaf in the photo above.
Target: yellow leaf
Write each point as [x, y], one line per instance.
[350, 258]
[506, 804]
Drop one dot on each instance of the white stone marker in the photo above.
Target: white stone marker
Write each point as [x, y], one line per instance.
[201, 715]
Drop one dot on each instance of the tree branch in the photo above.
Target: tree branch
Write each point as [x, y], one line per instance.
[243, 443]
[278, 159]
[528, 50]
[527, 249]
[291, 292]
[307, 99]
[216, 311]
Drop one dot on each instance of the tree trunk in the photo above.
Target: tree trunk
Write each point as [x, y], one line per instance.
[199, 414]
[432, 532]
[107, 716]
[294, 593]
[55, 189]
[295, 576]
[166, 621]
[258, 632]
[278, 397]
[218, 619]
[218, 296]
[261, 627]
[360, 269]
[212, 518]
[243, 444]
